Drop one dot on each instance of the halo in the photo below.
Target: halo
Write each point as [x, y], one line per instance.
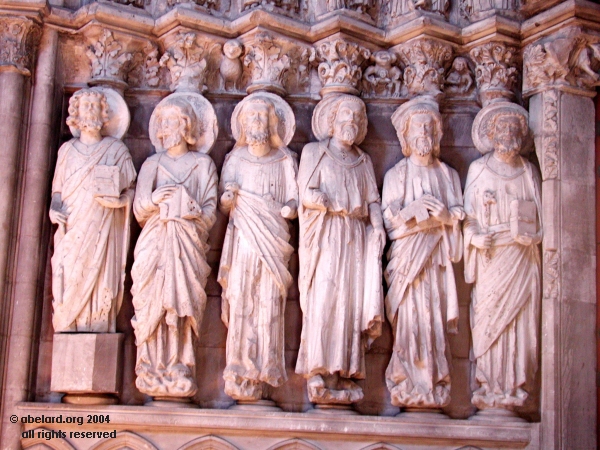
[402, 112]
[206, 126]
[480, 126]
[320, 122]
[119, 117]
[287, 120]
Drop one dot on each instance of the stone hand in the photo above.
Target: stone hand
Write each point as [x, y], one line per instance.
[320, 199]
[483, 241]
[437, 208]
[163, 193]
[57, 217]
[112, 202]
[232, 187]
[290, 210]
[227, 198]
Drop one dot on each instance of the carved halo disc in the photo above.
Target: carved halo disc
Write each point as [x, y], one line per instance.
[207, 126]
[320, 122]
[287, 121]
[119, 117]
[482, 122]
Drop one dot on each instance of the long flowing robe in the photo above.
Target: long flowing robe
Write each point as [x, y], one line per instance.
[421, 298]
[170, 272]
[254, 269]
[505, 301]
[340, 264]
[90, 251]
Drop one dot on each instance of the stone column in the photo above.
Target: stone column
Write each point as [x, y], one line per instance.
[562, 118]
[19, 36]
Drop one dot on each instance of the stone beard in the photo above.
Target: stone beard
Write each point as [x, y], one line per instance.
[92, 192]
[505, 267]
[422, 303]
[341, 241]
[258, 180]
[175, 204]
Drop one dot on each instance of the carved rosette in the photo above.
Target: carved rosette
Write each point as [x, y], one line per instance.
[19, 37]
[268, 64]
[496, 73]
[339, 66]
[184, 58]
[110, 64]
[570, 61]
[425, 62]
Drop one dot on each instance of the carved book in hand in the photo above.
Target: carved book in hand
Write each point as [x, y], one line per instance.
[523, 214]
[106, 181]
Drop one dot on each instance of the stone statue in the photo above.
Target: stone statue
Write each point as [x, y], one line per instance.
[341, 242]
[356, 5]
[502, 258]
[383, 78]
[175, 204]
[422, 210]
[401, 7]
[92, 193]
[459, 80]
[259, 192]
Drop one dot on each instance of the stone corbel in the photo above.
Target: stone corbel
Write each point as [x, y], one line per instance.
[496, 71]
[425, 62]
[19, 38]
[568, 62]
[339, 65]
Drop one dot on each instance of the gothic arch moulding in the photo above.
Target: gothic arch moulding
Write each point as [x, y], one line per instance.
[294, 444]
[125, 440]
[208, 443]
[381, 446]
[40, 443]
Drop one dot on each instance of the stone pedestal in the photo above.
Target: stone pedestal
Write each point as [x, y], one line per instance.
[87, 367]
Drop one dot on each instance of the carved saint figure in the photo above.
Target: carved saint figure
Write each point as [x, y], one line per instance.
[92, 193]
[175, 204]
[459, 80]
[383, 78]
[259, 192]
[341, 241]
[401, 7]
[502, 258]
[422, 210]
[357, 5]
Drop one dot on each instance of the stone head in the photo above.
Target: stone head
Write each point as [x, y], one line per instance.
[460, 65]
[384, 58]
[232, 49]
[259, 123]
[88, 110]
[176, 122]
[347, 119]
[419, 129]
[507, 131]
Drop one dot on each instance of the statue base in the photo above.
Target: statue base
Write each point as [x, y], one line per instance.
[255, 405]
[498, 415]
[420, 414]
[171, 402]
[333, 409]
[90, 399]
[87, 367]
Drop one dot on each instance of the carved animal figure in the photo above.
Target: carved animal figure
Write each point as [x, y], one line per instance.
[383, 78]
[231, 65]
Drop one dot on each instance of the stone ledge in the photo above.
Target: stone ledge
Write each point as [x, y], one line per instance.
[213, 421]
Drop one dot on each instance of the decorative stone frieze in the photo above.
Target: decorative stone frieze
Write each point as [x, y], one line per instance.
[399, 8]
[292, 6]
[361, 6]
[425, 62]
[568, 61]
[384, 78]
[109, 62]
[184, 58]
[475, 10]
[19, 37]
[550, 145]
[267, 63]
[339, 66]
[145, 73]
[496, 73]
[459, 81]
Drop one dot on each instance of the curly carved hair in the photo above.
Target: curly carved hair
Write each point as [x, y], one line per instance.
[403, 123]
[490, 125]
[73, 119]
[333, 110]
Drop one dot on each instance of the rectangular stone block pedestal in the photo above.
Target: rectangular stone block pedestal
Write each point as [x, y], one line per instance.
[87, 363]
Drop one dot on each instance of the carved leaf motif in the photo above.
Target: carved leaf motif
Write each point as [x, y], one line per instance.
[340, 62]
[145, 72]
[495, 66]
[106, 57]
[19, 38]
[424, 61]
[550, 139]
[551, 274]
[186, 63]
[266, 61]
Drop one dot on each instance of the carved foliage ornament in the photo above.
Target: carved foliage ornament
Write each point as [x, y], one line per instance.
[340, 65]
[184, 59]
[108, 60]
[19, 38]
[495, 70]
[570, 60]
[549, 149]
[267, 62]
[146, 66]
[425, 61]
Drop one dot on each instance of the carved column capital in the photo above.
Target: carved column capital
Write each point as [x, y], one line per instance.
[267, 62]
[184, 57]
[568, 61]
[425, 62]
[109, 61]
[19, 38]
[340, 65]
[496, 72]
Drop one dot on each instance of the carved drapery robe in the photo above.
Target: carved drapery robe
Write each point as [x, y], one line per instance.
[90, 252]
[170, 272]
[340, 264]
[505, 303]
[422, 297]
[254, 269]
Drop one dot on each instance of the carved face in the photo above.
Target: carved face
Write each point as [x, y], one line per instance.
[347, 122]
[507, 136]
[255, 120]
[420, 137]
[232, 49]
[171, 127]
[384, 59]
[90, 113]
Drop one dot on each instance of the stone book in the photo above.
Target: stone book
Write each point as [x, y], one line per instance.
[179, 206]
[106, 181]
[523, 218]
